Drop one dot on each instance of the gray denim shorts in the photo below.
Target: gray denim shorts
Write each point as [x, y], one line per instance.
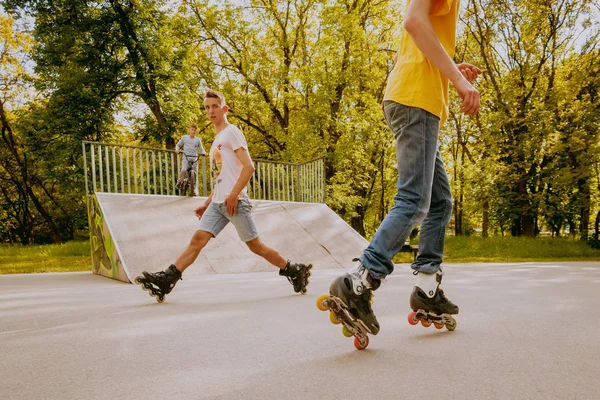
[215, 218]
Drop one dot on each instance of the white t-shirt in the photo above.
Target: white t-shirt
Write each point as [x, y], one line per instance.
[225, 167]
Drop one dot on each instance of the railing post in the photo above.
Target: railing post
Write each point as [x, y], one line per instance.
[204, 180]
[85, 168]
[298, 183]
[100, 168]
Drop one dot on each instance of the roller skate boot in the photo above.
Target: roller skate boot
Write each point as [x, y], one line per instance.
[159, 284]
[298, 275]
[430, 304]
[349, 302]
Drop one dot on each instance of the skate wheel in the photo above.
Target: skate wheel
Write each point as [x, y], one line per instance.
[160, 299]
[138, 280]
[151, 293]
[361, 345]
[334, 320]
[451, 326]
[322, 302]
[346, 332]
[411, 318]
[438, 325]
[425, 323]
[146, 286]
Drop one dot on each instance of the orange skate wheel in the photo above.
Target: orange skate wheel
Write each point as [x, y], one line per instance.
[359, 345]
[438, 325]
[322, 302]
[334, 319]
[411, 318]
[425, 323]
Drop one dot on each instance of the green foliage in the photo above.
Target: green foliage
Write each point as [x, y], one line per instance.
[305, 78]
[529, 156]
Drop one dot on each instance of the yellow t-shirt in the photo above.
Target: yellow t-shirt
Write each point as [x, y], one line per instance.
[414, 81]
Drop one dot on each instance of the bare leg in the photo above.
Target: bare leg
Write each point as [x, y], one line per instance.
[269, 254]
[189, 255]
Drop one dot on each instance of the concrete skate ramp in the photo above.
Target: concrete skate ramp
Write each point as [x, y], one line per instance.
[149, 232]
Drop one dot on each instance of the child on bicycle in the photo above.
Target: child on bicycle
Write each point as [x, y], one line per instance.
[231, 169]
[191, 145]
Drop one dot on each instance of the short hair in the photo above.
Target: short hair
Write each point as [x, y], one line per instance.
[194, 126]
[213, 94]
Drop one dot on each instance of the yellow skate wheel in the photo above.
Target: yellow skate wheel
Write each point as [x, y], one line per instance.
[322, 302]
[346, 332]
[451, 326]
[334, 319]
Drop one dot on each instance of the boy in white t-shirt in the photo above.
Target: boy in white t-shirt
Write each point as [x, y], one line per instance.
[231, 169]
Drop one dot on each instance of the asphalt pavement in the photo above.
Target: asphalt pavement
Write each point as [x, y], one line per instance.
[525, 331]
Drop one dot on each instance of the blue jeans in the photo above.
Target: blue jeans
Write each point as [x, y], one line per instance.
[424, 196]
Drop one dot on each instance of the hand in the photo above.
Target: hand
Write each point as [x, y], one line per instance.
[469, 71]
[200, 210]
[177, 152]
[469, 95]
[231, 203]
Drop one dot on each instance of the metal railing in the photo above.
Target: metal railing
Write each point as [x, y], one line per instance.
[116, 168]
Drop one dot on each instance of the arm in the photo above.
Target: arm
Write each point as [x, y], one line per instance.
[247, 171]
[178, 145]
[419, 27]
[200, 210]
[202, 151]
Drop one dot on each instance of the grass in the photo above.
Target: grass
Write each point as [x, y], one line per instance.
[75, 256]
[462, 249]
[71, 256]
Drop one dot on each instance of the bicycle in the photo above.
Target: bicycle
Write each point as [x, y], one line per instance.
[187, 179]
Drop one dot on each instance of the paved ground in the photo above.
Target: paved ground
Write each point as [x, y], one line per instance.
[526, 331]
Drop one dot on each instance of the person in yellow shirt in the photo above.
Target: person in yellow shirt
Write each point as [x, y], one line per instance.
[415, 106]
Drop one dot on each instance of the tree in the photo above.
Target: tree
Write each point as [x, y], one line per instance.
[521, 45]
[90, 54]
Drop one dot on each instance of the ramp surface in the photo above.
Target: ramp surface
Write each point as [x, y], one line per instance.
[149, 232]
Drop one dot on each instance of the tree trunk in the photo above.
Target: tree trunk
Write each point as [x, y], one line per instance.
[572, 227]
[486, 219]
[25, 182]
[358, 224]
[584, 223]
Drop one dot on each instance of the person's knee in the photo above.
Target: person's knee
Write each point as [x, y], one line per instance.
[256, 247]
[421, 214]
[199, 240]
[414, 207]
[422, 210]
